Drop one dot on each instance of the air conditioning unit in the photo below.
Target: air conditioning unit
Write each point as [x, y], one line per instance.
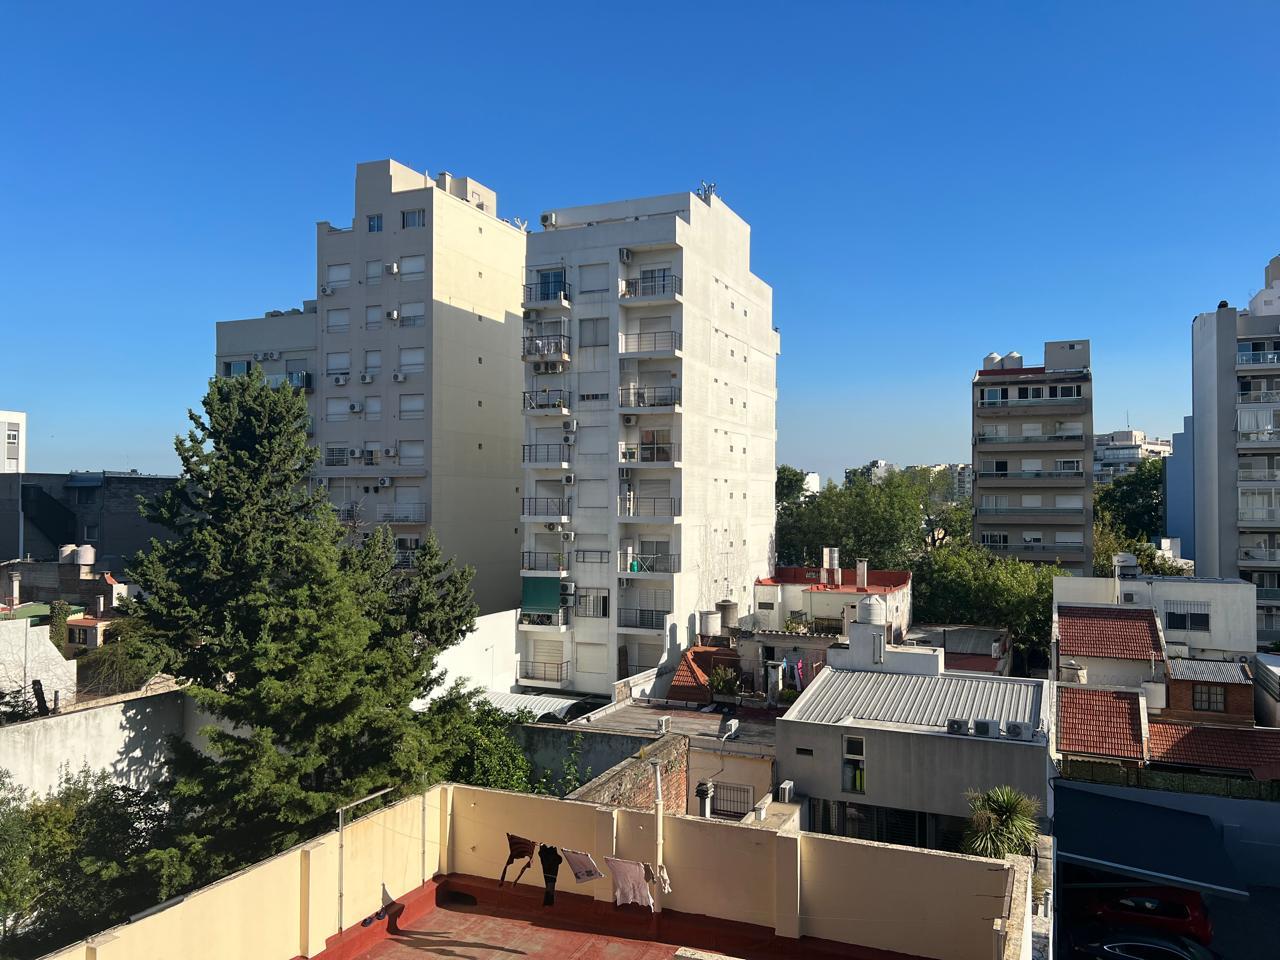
[355, 407]
[392, 267]
[786, 792]
[547, 219]
[326, 290]
[399, 377]
[568, 588]
[569, 426]
[388, 451]
[986, 728]
[567, 536]
[624, 255]
[384, 481]
[958, 727]
[531, 314]
[341, 380]
[554, 527]
[552, 366]
[393, 314]
[540, 367]
[569, 479]
[624, 473]
[664, 725]
[570, 438]
[259, 357]
[1017, 730]
[630, 420]
[366, 378]
[273, 354]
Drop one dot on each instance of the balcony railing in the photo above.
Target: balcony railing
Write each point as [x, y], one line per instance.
[1047, 511]
[648, 396]
[1030, 402]
[542, 618]
[544, 506]
[664, 285]
[1248, 474]
[1261, 436]
[1032, 474]
[1259, 396]
[404, 559]
[1259, 554]
[1051, 437]
[1036, 547]
[545, 672]
[642, 619]
[545, 453]
[1255, 357]
[556, 345]
[537, 560]
[547, 291]
[550, 399]
[299, 380]
[402, 513]
[648, 506]
[1260, 515]
[347, 512]
[662, 341]
[648, 452]
[648, 562]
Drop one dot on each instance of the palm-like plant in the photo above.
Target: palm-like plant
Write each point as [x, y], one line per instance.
[1002, 821]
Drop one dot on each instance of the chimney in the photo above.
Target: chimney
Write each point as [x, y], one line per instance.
[100, 605]
[862, 572]
[15, 588]
[704, 792]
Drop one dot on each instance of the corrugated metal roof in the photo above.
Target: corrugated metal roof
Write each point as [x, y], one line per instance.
[924, 701]
[538, 706]
[1209, 671]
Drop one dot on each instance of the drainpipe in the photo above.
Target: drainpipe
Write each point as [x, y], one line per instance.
[657, 832]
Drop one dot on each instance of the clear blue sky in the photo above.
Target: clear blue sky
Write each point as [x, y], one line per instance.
[926, 182]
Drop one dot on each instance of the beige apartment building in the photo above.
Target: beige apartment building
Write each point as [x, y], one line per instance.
[409, 356]
[1033, 456]
[649, 406]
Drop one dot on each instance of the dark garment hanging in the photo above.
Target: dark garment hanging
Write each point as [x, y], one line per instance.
[551, 861]
[520, 849]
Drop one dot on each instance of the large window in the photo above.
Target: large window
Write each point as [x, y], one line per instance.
[373, 317]
[335, 455]
[338, 275]
[373, 408]
[373, 361]
[593, 332]
[235, 368]
[1209, 696]
[337, 321]
[372, 272]
[853, 770]
[413, 268]
[593, 601]
[337, 363]
[375, 223]
[337, 409]
[1187, 615]
[412, 359]
[412, 453]
[413, 314]
[413, 406]
[413, 219]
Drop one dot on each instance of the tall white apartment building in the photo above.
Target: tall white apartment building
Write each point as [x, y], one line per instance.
[649, 398]
[13, 455]
[1119, 452]
[409, 355]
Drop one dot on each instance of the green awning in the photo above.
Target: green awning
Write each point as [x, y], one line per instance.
[540, 594]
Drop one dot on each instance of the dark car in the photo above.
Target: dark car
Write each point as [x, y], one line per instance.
[1168, 910]
[1100, 943]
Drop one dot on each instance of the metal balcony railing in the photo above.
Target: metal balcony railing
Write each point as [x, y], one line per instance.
[1260, 514]
[553, 345]
[347, 512]
[663, 285]
[648, 452]
[547, 291]
[1248, 474]
[648, 506]
[538, 560]
[549, 399]
[1032, 474]
[543, 618]
[1050, 437]
[1264, 593]
[1048, 511]
[546, 672]
[642, 619]
[659, 341]
[1271, 435]
[1030, 402]
[648, 562]
[634, 396]
[402, 513]
[1256, 357]
[335, 457]
[544, 506]
[545, 453]
[1259, 554]
[1259, 396]
[404, 559]
[1037, 547]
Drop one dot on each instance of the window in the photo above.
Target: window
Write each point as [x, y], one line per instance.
[373, 408]
[412, 359]
[91, 532]
[594, 386]
[337, 408]
[413, 406]
[1031, 429]
[86, 495]
[335, 455]
[413, 268]
[375, 223]
[995, 501]
[766, 605]
[337, 321]
[551, 284]
[337, 363]
[413, 314]
[994, 539]
[235, 368]
[1187, 620]
[1032, 536]
[1067, 466]
[412, 453]
[413, 219]
[373, 272]
[1032, 500]
[1070, 501]
[995, 466]
[1208, 696]
[995, 430]
[373, 317]
[593, 601]
[853, 771]
[338, 275]
[1068, 536]
[593, 332]
[373, 361]
[804, 751]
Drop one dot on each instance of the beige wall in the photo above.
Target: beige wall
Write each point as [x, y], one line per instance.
[901, 899]
[755, 772]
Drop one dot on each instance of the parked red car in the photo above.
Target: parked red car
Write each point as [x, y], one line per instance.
[1167, 909]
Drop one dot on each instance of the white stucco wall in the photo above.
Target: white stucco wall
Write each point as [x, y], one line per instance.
[26, 654]
[485, 658]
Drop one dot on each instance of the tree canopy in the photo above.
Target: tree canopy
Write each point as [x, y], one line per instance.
[789, 485]
[1135, 501]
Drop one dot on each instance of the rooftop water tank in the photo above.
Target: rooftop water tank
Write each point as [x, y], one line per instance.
[1012, 360]
[67, 553]
[728, 610]
[86, 554]
[709, 623]
[871, 609]
[990, 360]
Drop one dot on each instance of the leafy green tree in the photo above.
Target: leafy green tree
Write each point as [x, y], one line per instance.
[1002, 822]
[1109, 539]
[482, 752]
[789, 485]
[1135, 501]
[121, 664]
[18, 886]
[59, 610]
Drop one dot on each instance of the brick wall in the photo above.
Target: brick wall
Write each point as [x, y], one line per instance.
[630, 783]
[1239, 704]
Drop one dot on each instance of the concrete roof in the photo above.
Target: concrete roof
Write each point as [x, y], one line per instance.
[511, 702]
[1209, 671]
[641, 716]
[839, 696]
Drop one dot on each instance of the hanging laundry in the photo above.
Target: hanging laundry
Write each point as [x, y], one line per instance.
[648, 874]
[520, 848]
[664, 882]
[584, 868]
[551, 860]
[799, 674]
[628, 882]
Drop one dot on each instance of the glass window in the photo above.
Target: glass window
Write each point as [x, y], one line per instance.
[413, 314]
[412, 453]
[235, 368]
[550, 283]
[413, 219]
[991, 538]
[335, 455]
[412, 359]
[413, 268]
[413, 406]
[1068, 536]
[1032, 536]
[337, 321]
[86, 495]
[593, 601]
[373, 272]
[338, 275]
[373, 408]
[373, 317]
[337, 408]
[1209, 696]
[91, 532]
[372, 361]
[337, 363]
[593, 332]
[375, 223]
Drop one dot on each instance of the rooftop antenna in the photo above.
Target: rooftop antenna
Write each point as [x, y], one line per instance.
[706, 191]
[522, 223]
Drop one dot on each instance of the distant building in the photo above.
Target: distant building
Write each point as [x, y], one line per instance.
[1180, 489]
[959, 478]
[812, 483]
[1119, 452]
[13, 455]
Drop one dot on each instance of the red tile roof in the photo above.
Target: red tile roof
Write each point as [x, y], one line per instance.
[1120, 633]
[691, 680]
[970, 662]
[1226, 748]
[1102, 723]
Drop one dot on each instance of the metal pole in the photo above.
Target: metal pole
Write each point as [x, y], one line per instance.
[657, 832]
[342, 811]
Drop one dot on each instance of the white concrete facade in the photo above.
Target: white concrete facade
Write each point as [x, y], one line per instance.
[1119, 452]
[410, 356]
[650, 393]
[27, 654]
[13, 444]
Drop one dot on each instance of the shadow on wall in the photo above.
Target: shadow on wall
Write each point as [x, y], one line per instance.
[146, 725]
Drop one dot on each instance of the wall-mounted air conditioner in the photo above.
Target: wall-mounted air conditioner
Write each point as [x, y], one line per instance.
[958, 727]
[568, 588]
[366, 378]
[548, 219]
[326, 290]
[341, 380]
[1018, 730]
[355, 407]
[393, 267]
[569, 479]
[624, 255]
[786, 792]
[630, 420]
[986, 728]
[393, 314]
[568, 536]
[384, 481]
[570, 426]
[399, 377]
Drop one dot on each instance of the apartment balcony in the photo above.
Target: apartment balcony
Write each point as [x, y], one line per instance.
[547, 402]
[542, 621]
[1055, 441]
[535, 563]
[651, 291]
[641, 620]
[649, 509]
[662, 343]
[404, 559]
[1039, 551]
[1259, 396]
[544, 509]
[1054, 405]
[556, 347]
[347, 512]
[1266, 558]
[550, 456]
[649, 454]
[1252, 439]
[402, 513]
[537, 673]
[1247, 475]
[1254, 360]
[548, 295]
[648, 564]
[1269, 595]
[1050, 515]
[298, 380]
[1031, 478]
[1259, 517]
[658, 399]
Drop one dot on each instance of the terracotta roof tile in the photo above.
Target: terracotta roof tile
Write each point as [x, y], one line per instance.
[1102, 723]
[1229, 748]
[1120, 633]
